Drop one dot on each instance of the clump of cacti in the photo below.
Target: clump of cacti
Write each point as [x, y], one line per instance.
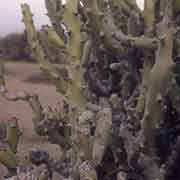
[120, 114]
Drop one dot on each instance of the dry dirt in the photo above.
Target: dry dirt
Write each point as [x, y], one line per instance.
[28, 77]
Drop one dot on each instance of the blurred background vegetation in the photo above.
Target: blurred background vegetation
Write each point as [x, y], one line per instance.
[14, 47]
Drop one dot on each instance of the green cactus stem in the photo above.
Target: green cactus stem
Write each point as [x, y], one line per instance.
[149, 14]
[177, 6]
[84, 137]
[2, 71]
[82, 142]
[53, 37]
[149, 18]
[47, 46]
[104, 122]
[139, 42]
[72, 22]
[8, 147]
[147, 66]
[127, 6]
[37, 110]
[13, 134]
[86, 52]
[159, 78]
[100, 30]
[9, 160]
[48, 68]
[122, 5]
[174, 94]
[71, 87]
[55, 13]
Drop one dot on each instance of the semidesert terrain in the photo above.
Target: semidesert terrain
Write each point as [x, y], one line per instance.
[27, 77]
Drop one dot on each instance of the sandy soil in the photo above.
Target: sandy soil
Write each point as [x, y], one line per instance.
[28, 77]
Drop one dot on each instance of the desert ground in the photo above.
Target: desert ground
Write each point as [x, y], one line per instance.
[27, 77]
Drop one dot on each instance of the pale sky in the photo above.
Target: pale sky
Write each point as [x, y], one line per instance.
[10, 15]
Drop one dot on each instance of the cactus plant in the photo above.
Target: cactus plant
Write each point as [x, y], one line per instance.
[120, 86]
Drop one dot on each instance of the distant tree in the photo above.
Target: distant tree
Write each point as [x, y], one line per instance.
[15, 46]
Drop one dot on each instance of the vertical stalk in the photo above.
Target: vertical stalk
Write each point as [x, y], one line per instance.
[149, 17]
[159, 77]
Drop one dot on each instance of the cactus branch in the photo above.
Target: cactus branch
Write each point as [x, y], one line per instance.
[159, 80]
[72, 22]
[96, 21]
[86, 52]
[127, 6]
[103, 127]
[13, 134]
[55, 13]
[9, 160]
[139, 42]
[53, 37]
[48, 68]
[149, 14]
[149, 18]
[65, 17]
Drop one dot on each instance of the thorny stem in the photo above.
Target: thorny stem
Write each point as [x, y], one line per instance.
[159, 78]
